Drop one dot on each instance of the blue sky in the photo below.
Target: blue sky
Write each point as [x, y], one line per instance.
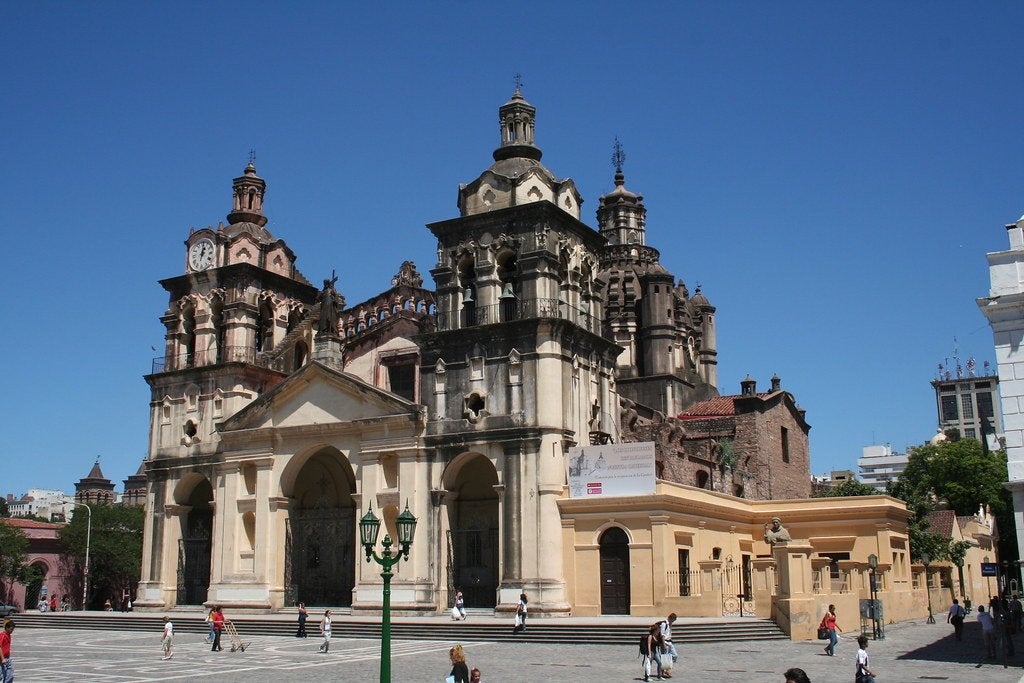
[831, 173]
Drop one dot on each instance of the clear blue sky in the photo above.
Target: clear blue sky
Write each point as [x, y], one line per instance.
[831, 173]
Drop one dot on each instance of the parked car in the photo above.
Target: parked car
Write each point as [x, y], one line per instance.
[7, 610]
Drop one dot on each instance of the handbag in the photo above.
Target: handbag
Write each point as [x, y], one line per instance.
[449, 679]
[823, 633]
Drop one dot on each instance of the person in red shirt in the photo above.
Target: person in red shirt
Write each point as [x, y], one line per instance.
[218, 626]
[53, 602]
[6, 665]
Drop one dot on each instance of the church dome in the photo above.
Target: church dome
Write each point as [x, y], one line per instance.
[258, 232]
[698, 299]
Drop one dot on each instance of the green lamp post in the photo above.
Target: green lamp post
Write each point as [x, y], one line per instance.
[369, 528]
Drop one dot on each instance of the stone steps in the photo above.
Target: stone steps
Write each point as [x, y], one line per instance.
[482, 629]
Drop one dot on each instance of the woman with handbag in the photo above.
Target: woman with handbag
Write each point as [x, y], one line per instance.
[520, 615]
[828, 622]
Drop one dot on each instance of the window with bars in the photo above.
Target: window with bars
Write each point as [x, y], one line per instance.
[967, 404]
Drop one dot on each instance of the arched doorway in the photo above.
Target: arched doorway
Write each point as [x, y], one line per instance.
[614, 546]
[320, 554]
[195, 546]
[473, 533]
[34, 589]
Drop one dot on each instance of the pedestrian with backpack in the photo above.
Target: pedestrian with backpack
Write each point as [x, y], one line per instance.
[650, 649]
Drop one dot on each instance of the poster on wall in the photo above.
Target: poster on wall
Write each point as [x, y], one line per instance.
[623, 469]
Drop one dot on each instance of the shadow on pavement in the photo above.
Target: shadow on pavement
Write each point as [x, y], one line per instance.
[970, 650]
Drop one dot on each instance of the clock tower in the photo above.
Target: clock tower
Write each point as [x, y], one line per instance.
[228, 315]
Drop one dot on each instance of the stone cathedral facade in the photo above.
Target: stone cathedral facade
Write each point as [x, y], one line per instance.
[280, 412]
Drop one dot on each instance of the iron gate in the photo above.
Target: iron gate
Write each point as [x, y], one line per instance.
[320, 557]
[473, 565]
[194, 559]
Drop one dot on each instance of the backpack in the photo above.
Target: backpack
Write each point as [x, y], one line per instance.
[643, 645]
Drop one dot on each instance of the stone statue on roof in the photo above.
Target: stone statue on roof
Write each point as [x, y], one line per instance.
[775, 532]
[328, 322]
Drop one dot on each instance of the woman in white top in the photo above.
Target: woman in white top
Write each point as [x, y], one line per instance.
[520, 615]
[325, 629]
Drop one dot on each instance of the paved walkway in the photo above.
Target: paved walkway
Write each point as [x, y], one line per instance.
[912, 651]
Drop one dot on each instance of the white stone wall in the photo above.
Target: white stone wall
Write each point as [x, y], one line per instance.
[1004, 308]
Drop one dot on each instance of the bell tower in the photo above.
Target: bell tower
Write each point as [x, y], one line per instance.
[248, 193]
[517, 363]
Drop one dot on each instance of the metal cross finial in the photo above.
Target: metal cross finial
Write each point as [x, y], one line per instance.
[252, 157]
[518, 80]
[618, 156]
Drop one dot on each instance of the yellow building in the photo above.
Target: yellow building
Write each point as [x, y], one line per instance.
[702, 553]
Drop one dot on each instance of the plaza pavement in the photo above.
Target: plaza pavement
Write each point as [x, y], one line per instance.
[912, 651]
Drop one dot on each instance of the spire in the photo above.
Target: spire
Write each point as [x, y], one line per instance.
[248, 193]
[517, 118]
[621, 215]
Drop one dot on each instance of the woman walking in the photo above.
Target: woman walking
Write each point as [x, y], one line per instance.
[520, 615]
[460, 672]
[829, 621]
[654, 645]
[325, 629]
[301, 633]
[209, 621]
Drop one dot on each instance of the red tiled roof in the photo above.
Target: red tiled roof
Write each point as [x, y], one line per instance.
[29, 523]
[940, 522]
[720, 406]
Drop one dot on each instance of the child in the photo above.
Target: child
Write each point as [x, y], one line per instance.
[864, 674]
[168, 638]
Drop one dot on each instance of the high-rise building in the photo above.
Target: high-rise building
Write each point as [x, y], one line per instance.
[969, 404]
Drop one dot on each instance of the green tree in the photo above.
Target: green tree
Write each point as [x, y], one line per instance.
[962, 476]
[850, 487]
[13, 553]
[115, 552]
[5, 511]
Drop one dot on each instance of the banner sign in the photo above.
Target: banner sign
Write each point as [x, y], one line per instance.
[623, 469]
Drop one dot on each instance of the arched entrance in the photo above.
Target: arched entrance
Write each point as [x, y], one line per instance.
[195, 546]
[34, 589]
[473, 533]
[320, 555]
[614, 546]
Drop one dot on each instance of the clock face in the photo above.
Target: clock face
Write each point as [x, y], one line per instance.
[200, 256]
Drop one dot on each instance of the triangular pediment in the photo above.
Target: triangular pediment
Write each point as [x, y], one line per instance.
[318, 395]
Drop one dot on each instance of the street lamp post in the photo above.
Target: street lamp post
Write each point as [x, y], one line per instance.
[369, 527]
[88, 538]
[926, 558]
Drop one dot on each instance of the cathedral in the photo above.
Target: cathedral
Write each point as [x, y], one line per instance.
[280, 413]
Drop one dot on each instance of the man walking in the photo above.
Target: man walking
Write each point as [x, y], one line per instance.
[669, 654]
[168, 638]
[218, 627]
[956, 617]
[6, 665]
[988, 630]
